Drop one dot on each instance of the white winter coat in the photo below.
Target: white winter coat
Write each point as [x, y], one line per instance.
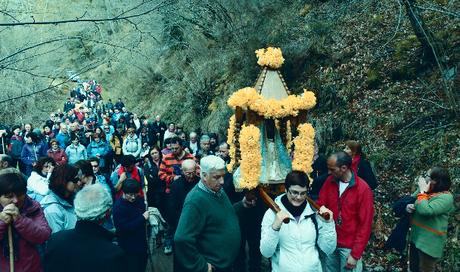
[292, 248]
[37, 186]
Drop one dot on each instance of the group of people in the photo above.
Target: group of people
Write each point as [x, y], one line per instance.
[79, 201]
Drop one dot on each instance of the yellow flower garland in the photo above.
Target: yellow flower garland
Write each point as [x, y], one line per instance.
[251, 159]
[231, 142]
[304, 148]
[249, 98]
[271, 57]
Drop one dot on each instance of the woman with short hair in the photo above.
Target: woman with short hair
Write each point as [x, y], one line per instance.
[28, 224]
[295, 246]
[58, 204]
[360, 165]
[37, 183]
[57, 153]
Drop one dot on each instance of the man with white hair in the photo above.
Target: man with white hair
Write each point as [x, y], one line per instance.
[193, 144]
[88, 247]
[208, 234]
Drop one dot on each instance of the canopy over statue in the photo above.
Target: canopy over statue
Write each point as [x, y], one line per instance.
[269, 119]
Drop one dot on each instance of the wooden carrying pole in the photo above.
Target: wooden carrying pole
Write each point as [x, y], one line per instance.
[274, 207]
[270, 203]
[10, 245]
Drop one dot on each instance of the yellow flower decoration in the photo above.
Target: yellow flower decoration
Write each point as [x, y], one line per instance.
[251, 159]
[249, 98]
[271, 57]
[231, 142]
[304, 148]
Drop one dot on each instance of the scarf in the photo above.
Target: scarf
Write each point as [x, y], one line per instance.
[294, 210]
[355, 162]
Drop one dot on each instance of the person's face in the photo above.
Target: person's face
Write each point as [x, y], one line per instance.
[182, 136]
[47, 168]
[28, 140]
[223, 152]
[171, 128]
[54, 146]
[27, 127]
[189, 173]
[95, 166]
[296, 195]
[64, 129]
[157, 118]
[16, 131]
[17, 200]
[212, 141]
[97, 139]
[131, 132]
[348, 150]
[75, 142]
[176, 149]
[334, 170]
[130, 197]
[155, 154]
[47, 129]
[193, 139]
[205, 145]
[214, 180]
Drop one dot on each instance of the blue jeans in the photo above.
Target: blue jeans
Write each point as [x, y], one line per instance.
[337, 260]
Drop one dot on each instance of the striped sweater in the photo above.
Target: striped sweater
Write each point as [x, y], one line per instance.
[171, 167]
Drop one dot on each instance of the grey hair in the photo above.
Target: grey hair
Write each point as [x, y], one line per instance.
[204, 138]
[92, 202]
[210, 164]
[193, 134]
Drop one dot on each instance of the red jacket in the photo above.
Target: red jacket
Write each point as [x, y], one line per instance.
[59, 156]
[356, 209]
[29, 230]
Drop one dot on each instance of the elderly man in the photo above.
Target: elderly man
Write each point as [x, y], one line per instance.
[193, 144]
[208, 235]
[205, 147]
[351, 200]
[88, 247]
[179, 190]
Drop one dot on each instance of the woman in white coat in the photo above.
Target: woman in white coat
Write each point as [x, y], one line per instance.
[37, 184]
[295, 246]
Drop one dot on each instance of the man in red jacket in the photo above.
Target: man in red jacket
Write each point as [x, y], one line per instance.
[351, 201]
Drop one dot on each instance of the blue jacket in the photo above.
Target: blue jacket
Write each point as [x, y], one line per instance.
[32, 152]
[130, 225]
[76, 153]
[63, 140]
[101, 148]
[58, 212]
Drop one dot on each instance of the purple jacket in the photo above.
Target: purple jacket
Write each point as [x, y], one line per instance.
[29, 230]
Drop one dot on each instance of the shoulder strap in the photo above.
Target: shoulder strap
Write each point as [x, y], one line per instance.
[315, 222]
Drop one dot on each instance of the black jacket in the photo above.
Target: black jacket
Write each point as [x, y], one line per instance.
[179, 190]
[87, 248]
[365, 172]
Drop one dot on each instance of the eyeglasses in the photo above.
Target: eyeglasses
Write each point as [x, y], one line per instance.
[297, 194]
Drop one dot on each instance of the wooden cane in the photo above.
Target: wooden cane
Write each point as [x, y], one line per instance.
[3, 145]
[10, 244]
[270, 203]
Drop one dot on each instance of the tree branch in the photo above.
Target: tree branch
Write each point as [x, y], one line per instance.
[80, 20]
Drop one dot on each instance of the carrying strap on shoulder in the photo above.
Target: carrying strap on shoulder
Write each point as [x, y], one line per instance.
[315, 222]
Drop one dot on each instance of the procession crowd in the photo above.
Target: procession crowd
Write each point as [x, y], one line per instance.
[75, 194]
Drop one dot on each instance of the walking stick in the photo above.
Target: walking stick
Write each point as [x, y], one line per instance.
[326, 216]
[10, 244]
[3, 144]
